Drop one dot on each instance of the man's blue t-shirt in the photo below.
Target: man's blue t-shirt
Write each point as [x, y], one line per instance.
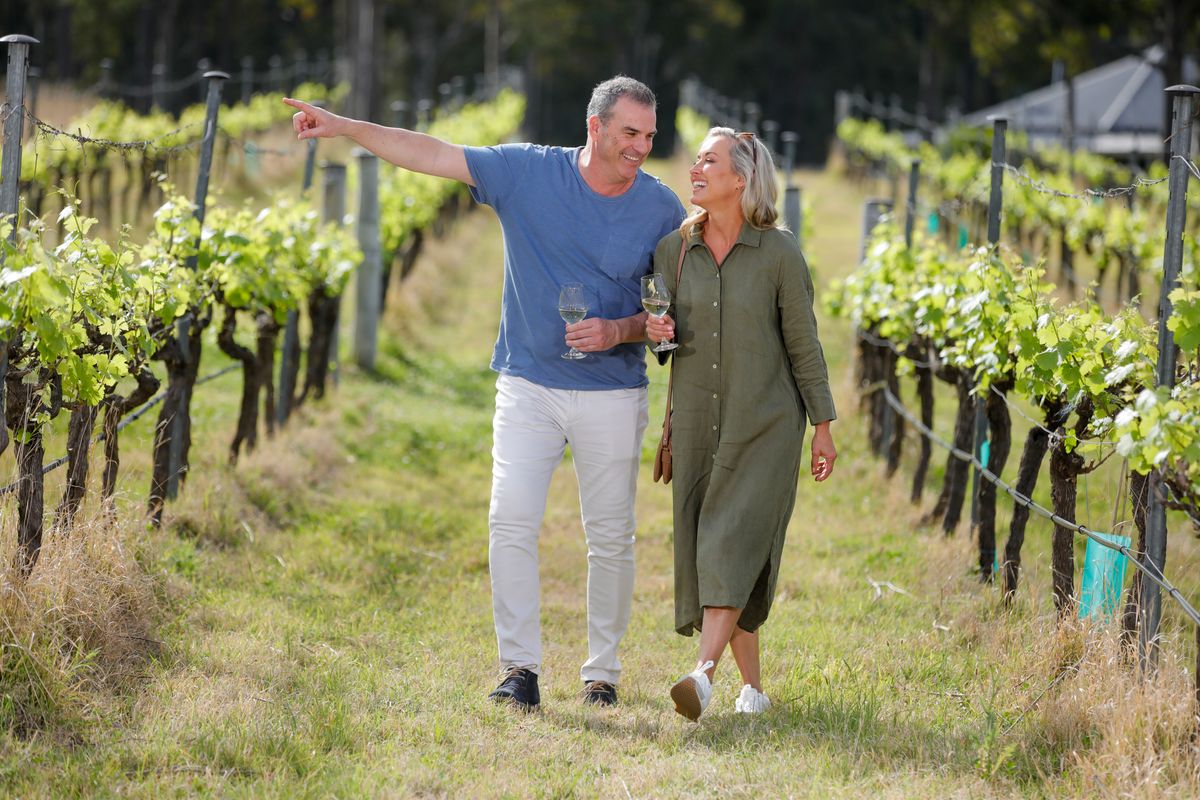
[558, 230]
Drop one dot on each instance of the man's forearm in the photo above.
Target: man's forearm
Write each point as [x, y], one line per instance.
[411, 150]
[632, 329]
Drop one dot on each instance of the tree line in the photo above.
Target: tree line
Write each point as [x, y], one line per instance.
[789, 56]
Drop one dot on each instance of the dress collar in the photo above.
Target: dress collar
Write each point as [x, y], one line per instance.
[749, 236]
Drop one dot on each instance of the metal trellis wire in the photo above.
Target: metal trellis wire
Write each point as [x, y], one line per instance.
[128, 420]
[1151, 573]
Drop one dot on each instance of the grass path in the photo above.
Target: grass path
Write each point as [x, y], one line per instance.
[331, 632]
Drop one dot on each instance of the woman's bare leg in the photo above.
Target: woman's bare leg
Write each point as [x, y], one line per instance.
[719, 625]
[745, 653]
[692, 692]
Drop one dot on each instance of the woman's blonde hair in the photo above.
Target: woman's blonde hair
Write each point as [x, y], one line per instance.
[751, 161]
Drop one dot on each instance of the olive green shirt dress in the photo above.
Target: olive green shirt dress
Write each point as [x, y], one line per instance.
[748, 371]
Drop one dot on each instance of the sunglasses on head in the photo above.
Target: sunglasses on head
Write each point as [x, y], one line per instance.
[749, 137]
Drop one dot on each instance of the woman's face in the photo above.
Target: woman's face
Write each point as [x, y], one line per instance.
[714, 183]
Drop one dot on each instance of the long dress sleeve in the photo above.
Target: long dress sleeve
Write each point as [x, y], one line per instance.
[799, 326]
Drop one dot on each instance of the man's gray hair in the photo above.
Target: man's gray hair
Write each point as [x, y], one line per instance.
[606, 95]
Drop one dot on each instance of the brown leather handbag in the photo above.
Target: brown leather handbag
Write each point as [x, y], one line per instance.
[662, 457]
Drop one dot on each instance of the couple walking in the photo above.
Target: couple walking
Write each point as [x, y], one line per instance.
[747, 371]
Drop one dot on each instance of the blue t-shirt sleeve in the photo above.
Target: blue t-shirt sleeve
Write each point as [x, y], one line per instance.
[673, 213]
[497, 170]
[680, 214]
[672, 210]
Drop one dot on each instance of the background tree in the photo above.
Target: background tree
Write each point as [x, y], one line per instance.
[789, 56]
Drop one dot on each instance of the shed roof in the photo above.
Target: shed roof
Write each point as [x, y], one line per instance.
[1119, 107]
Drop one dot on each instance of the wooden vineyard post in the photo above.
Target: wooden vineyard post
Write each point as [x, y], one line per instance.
[1155, 557]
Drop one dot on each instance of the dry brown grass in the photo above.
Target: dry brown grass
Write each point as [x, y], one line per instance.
[1128, 737]
[82, 622]
[78, 633]
[1065, 703]
[223, 506]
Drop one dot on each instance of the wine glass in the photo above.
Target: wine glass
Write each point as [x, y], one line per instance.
[572, 307]
[656, 299]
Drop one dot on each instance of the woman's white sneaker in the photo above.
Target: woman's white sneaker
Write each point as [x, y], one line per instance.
[692, 692]
[751, 701]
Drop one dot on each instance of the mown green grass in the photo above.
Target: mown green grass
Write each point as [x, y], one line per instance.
[327, 632]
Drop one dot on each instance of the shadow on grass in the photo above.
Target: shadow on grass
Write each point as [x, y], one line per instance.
[837, 715]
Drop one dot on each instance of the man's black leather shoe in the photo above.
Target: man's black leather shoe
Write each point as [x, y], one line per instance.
[520, 688]
[599, 693]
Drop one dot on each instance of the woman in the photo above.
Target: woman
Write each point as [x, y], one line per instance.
[747, 371]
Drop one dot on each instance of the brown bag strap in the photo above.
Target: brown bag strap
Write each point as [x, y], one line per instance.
[671, 380]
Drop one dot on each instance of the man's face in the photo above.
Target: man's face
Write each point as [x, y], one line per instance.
[624, 142]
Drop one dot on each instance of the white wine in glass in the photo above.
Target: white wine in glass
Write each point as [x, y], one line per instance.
[656, 299]
[572, 307]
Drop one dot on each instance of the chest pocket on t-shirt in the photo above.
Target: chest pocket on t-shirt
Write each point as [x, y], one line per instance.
[627, 256]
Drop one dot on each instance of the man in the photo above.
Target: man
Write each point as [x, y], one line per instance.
[588, 215]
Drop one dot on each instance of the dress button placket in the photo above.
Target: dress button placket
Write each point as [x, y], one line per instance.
[717, 345]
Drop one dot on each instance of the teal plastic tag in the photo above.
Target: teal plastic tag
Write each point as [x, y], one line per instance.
[251, 160]
[933, 222]
[962, 236]
[985, 452]
[1103, 577]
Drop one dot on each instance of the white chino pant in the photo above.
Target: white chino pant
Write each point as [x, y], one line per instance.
[532, 427]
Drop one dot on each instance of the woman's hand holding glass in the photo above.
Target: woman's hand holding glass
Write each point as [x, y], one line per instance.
[660, 329]
[656, 299]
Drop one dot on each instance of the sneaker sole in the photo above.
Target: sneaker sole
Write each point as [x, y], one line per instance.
[687, 699]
